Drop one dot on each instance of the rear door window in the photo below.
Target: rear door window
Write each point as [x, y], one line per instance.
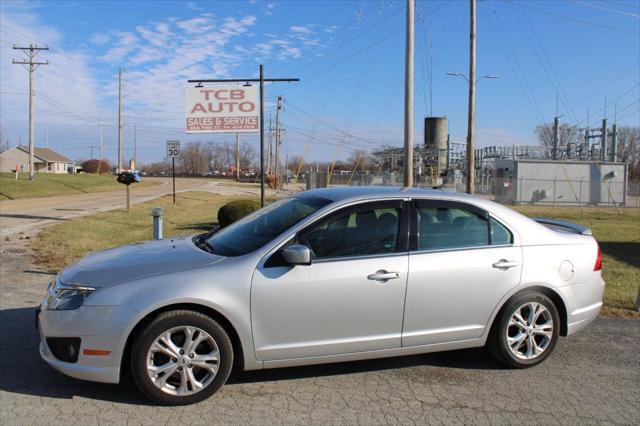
[443, 227]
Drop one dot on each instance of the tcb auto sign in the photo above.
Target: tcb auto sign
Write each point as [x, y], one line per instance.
[222, 109]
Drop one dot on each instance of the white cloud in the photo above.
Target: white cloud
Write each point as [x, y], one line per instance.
[126, 43]
[66, 95]
[195, 25]
[158, 56]
[300, 29]
[100, 39]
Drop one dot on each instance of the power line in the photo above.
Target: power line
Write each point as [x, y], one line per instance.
[607, 104]
[350, 40]
[517, 70]
[568, 18]
[359, 52]
[608, 9]
[549, 70]
[609, 83]
[333, 36]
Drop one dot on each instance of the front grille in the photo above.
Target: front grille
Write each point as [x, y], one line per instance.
[64, 348]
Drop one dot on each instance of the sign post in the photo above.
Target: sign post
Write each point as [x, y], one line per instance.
[173, 151]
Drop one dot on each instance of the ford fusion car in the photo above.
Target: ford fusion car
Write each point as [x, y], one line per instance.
[323, 276]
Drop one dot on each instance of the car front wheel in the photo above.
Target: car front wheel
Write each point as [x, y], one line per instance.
[181, 357]
[526, 331]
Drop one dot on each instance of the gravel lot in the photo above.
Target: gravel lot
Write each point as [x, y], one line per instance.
[593, 377]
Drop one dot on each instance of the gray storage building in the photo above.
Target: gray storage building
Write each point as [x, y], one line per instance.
[560, 182]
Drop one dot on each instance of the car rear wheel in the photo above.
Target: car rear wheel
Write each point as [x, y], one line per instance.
[181, 357]
[526, 331]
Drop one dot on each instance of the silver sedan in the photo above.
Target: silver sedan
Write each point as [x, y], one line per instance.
[324, 276]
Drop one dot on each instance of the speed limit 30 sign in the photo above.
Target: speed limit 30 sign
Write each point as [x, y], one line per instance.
[173, 149]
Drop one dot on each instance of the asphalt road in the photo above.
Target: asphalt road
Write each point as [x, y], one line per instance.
[593, 377]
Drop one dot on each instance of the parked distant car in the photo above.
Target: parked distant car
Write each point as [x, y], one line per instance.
[323, 276]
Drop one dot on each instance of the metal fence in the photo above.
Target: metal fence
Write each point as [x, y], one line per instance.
[552, 192]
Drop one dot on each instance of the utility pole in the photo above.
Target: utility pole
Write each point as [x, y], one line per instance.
[603, 141]
[270, 154]
[286, 167]
[277, 164]
[100, 126]
[556, 137]
[135, 145]
[120, 123]
[614, 142]
[471, 154]
[237, 157]
[46, 139]
[408, 97]
[31, 52]
[100, 131]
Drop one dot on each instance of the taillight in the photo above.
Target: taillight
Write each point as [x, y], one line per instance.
[598, 265]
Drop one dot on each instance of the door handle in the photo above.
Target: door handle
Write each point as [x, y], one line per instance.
[383, 276]
[504, 264]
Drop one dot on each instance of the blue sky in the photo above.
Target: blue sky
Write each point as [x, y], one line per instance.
[348, 55]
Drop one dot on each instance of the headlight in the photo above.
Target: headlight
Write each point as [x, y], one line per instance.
[64, 298]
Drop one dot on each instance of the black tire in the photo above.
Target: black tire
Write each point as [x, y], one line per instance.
[497, 342]
[166, 321]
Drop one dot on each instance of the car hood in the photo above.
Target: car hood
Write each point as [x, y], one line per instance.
[127, 263]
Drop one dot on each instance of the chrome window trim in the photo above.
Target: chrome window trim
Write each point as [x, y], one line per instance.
[365, 256]
[428, 251]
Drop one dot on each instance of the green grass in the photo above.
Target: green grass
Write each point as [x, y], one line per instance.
[619, 239]
[237, 184]
[61, 244]
[64, 243]
[49, 184]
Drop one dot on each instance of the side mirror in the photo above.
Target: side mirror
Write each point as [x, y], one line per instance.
[297, 254]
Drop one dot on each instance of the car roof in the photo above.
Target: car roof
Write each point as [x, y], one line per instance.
[341, 193]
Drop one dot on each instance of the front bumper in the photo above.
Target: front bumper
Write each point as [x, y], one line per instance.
[98, 327]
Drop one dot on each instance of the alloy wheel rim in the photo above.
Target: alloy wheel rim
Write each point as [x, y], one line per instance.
[529, 331]
[183, 360]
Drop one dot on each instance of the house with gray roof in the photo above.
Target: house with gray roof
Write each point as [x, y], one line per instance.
[45, 160]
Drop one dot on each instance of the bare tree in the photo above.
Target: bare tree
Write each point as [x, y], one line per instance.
[215, 156]
[629, 150]
[194, 159]
[157, 168]
[364, 160]
[544, 133]
[247, 156]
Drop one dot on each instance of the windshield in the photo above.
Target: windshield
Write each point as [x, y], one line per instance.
[255, 230]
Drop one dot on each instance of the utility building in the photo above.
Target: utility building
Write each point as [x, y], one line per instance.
[528, 181]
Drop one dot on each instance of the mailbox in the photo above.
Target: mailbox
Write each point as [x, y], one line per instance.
[128, 178]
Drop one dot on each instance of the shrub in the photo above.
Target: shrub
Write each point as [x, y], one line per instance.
[235, 210]
[91, 166]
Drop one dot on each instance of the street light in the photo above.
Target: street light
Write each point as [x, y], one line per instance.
[459, 74]
[471, 124]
